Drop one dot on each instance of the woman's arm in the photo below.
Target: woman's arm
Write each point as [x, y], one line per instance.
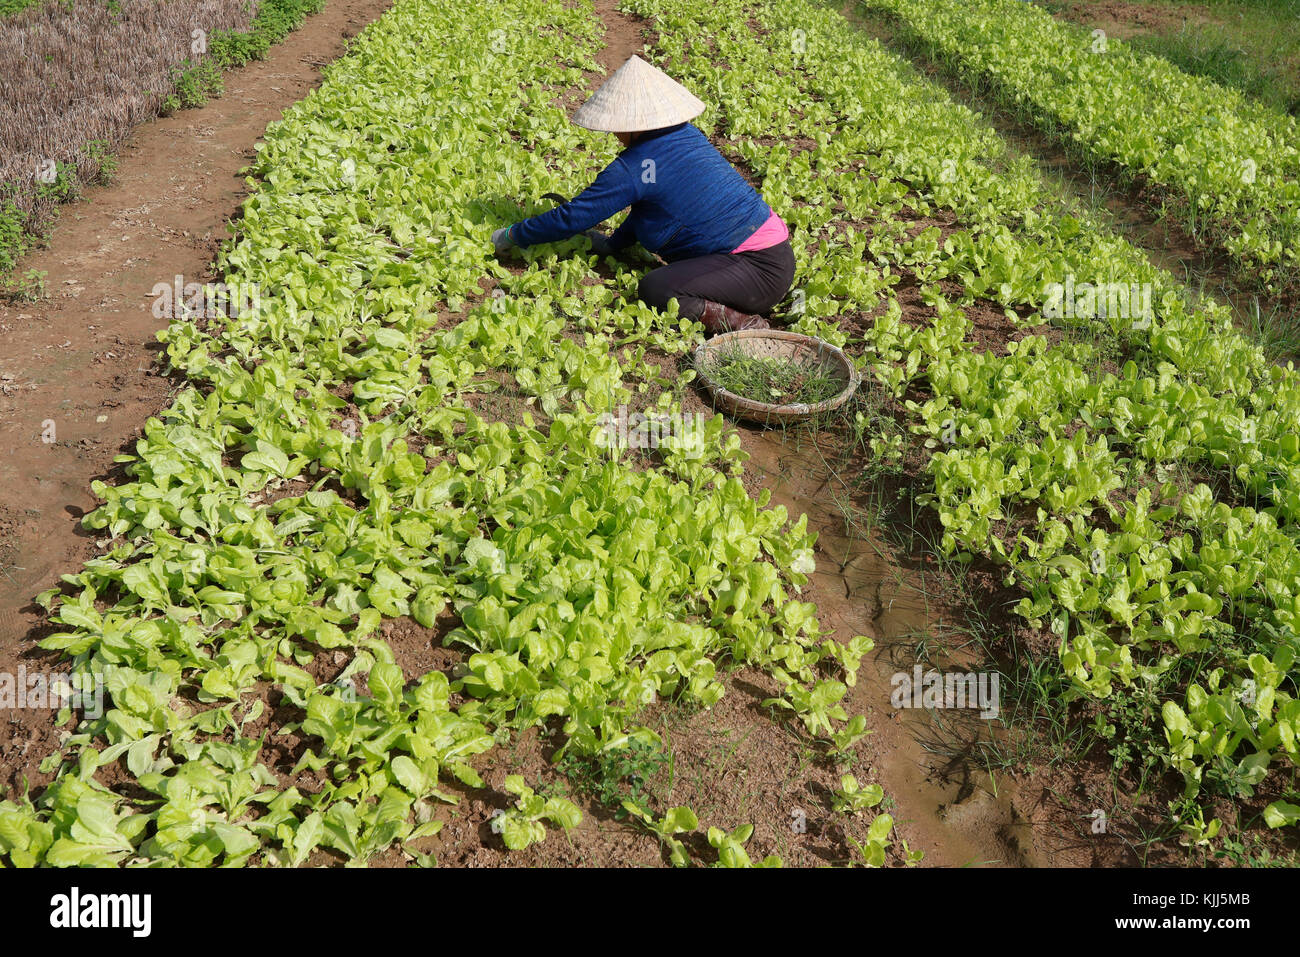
[614, 189]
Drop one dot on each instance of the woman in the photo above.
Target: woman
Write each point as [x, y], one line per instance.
[728, 253]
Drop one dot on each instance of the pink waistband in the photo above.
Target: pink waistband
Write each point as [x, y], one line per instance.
[769, 234]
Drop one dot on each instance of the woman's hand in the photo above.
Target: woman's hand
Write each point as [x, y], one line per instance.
[501, 240]
[599, 243]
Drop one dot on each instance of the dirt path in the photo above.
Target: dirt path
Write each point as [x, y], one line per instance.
[77, 376]
[77, 371]
[948, 806]
[623, 35]
[1125, 19]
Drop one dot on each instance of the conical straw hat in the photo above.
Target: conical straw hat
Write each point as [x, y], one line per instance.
[637, 97]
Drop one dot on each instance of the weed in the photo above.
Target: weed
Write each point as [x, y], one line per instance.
[100, 152]
[617, 774]
[194, 83]
[29, 287]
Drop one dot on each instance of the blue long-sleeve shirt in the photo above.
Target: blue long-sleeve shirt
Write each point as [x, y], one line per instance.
[686, 200]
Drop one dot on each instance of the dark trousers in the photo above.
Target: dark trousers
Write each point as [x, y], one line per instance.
[751, 282]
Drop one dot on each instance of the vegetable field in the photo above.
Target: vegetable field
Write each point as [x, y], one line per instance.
[404, 428]
[1229, 166]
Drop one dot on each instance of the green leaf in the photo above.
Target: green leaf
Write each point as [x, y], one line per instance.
[386, 683]
[1281, 813]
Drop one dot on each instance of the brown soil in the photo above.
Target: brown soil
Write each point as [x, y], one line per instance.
[624, 35]
[1123, 20]
[731, 764]
[79, 368]
[948, 805]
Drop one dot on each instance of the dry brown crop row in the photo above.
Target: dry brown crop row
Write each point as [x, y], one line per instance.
[75, 74]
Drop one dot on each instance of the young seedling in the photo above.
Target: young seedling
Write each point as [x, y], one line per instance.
[872, 850]
[842, 741]
[522, 825]
[731, 848]
[678, 820]
[850, 798]
[849, 657]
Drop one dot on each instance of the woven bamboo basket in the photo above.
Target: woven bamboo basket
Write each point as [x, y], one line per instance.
[777, 344]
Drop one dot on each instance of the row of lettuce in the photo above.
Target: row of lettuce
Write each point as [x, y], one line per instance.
[577, 587]
[1136, 471]
[1230, 166]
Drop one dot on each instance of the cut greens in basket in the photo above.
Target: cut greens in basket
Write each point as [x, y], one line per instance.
[772, 379]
